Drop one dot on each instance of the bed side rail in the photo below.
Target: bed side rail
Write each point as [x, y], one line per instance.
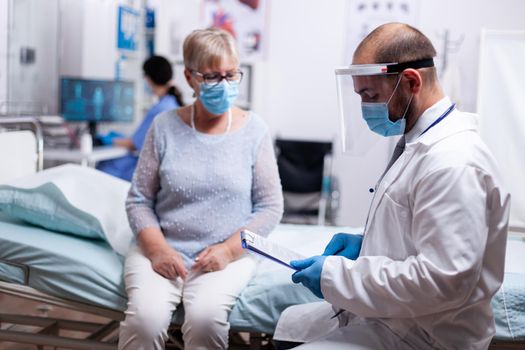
[28, 123]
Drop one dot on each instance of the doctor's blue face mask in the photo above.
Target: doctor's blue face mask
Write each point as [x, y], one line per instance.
[376, 115]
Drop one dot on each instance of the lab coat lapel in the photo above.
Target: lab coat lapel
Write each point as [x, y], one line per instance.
[391, 175]
[454, 123]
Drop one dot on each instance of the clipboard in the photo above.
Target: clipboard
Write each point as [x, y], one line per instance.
[268, 249]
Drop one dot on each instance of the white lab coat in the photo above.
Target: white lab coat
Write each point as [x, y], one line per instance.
[433, 250]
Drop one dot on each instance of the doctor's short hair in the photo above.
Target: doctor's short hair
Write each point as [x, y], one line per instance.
[209, 48]
[398, 43]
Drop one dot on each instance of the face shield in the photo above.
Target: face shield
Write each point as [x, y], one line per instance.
[368, 88]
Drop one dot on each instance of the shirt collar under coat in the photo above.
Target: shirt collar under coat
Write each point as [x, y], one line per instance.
[455, 122]
[427, 118]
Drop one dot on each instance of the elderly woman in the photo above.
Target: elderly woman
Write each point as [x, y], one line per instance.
[206, 171]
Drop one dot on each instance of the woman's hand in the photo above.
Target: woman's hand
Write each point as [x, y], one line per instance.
[168, 263]
[164, 260]
[213, 258]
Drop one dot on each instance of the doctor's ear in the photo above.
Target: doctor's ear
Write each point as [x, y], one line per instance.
[414, 78]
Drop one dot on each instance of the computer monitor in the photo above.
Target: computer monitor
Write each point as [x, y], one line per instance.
[95, 101]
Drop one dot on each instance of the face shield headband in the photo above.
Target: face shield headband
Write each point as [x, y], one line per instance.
[383, 68]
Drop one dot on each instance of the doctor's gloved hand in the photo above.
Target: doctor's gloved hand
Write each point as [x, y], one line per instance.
[344, 244]
[309, 273]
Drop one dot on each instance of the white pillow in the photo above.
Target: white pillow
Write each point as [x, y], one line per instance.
[75, 198]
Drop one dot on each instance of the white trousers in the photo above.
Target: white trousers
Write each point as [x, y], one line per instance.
[207, 298]
[314, 325]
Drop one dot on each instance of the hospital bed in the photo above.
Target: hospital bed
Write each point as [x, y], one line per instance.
[86, 275]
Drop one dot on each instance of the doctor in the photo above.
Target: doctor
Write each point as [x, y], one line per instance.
[433, 251]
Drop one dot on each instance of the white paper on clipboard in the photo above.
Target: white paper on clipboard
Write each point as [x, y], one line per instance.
[269, 249]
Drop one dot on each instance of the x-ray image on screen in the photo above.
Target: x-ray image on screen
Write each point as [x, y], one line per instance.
[97, 100]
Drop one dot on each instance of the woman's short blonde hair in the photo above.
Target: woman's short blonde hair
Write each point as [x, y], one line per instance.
[208, 48]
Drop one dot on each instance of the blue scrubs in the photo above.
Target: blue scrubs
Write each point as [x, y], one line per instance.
[125, 166]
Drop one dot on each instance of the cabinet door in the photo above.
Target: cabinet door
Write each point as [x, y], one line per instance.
[32, 60]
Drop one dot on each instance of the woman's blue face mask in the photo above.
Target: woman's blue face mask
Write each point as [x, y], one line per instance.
[218, 98]
[376, 115]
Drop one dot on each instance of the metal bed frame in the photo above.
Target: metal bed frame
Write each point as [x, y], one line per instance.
[101, 336]
[49, 332]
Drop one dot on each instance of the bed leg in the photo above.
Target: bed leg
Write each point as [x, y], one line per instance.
[52, 329]
[256, 340]
[104, 330]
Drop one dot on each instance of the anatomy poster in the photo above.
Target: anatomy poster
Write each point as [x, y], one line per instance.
[365, 15]
[246, 20]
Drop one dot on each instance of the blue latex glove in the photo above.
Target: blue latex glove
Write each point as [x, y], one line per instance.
[344, 244]
[309, 273]
[109, 137]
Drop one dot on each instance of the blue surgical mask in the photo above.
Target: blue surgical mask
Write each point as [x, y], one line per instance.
[376, 116]
[218, 98]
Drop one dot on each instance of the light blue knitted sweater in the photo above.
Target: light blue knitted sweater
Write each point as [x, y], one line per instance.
[200, 188]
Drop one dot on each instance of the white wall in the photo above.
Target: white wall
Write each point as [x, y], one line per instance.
[89, 38]
[71, 34]
[99, 39]
[295, 86]
[3, 52]
[467, 18]
[301, 101]
[175, 20]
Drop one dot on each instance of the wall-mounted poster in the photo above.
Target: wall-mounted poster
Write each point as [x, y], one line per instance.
[127, 31]
[246, 20]
[363, 16]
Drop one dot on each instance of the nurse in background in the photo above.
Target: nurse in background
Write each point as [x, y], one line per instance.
[158, 75]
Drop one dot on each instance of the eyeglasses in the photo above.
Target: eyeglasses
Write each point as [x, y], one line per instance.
[215, 78]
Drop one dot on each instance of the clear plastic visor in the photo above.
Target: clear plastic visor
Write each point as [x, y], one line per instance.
[356, 137]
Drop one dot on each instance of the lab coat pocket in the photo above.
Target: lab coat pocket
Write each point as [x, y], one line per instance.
[396, 223]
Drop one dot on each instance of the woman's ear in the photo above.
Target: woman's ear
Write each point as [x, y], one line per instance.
[188, 76]
[414, 79]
